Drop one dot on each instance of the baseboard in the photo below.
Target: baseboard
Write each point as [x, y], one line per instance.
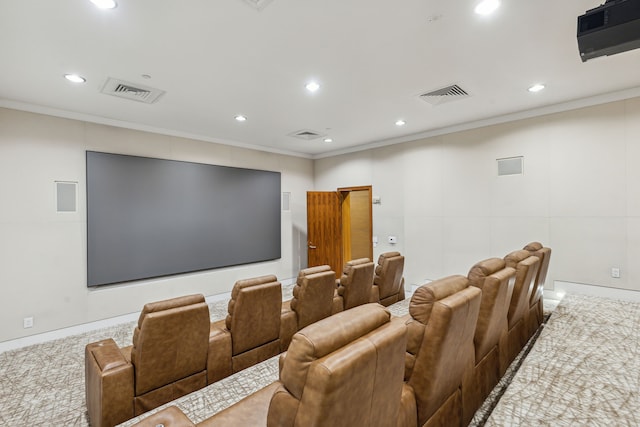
[560, 288]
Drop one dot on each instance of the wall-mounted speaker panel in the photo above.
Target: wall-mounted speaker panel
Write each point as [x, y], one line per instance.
[286, 198]
[66, 195]
[510, 166]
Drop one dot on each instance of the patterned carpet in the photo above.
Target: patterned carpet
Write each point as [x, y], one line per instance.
[583, 370]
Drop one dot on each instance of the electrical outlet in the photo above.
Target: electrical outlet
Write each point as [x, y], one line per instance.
[27, 322]
[615, 272]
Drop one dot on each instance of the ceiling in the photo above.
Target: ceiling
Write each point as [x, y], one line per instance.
[216, 59]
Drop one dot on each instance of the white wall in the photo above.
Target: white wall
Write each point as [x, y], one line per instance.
[43, 253]
[579, 194]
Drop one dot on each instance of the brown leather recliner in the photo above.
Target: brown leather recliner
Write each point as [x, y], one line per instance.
[536, 307]
[440, 327]
[343, 371]
[313, 300]
[388, 283]
[355, 285]
[251, 332]
[490, 340]
[526, 270]
[168, 359]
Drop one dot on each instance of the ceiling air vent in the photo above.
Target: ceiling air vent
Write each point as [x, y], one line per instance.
[257, 4]
[445, 94]
[132, 91]
[306, 134]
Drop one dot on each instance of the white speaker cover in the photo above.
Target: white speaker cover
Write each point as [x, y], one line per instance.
[510, 166]
[285, 201]
[66, 196]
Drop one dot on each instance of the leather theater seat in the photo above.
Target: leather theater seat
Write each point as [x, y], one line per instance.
[313, 300]
[496, 281]
[536, 307]
[388, 283]
[167, 360]
[440, 328]
[355, 286]
[251, 332]
[526, 270]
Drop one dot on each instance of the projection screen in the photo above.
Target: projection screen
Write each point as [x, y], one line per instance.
[150, 217]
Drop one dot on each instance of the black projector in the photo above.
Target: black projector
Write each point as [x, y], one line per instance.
[611, 28]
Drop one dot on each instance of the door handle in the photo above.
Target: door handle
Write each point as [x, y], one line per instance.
[312, 247]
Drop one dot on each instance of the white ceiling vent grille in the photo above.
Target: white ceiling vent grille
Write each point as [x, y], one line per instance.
[306, 134]
[258, 4]
[131, 91]
[445, 94]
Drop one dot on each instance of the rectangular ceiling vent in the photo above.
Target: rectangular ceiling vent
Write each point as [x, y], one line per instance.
[258, 4]
[445, 94]
[131, 91]
[306, 134]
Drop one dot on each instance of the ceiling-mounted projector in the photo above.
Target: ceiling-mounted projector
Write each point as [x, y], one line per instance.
[608, 29]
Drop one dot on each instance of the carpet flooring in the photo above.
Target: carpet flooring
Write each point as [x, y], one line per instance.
[584, 370]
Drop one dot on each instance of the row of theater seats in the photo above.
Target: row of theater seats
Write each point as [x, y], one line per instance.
[432, 367]
[176, 350]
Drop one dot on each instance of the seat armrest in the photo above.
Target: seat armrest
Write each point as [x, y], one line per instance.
[219, 356]
[288, 327]
[168, 417]
[250, 411]
[338, 303]
[281, 359]
[109, 382]
[375, 294]
[408, 414]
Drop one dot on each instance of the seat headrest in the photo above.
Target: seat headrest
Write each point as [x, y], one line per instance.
[326, 336]
[512, 259]
[259, 285]
[316, 279]
[485, 268]
[425, 296]
[386, 255]
[168, 304]
[533, 246]
[387, 260]
[244, 283]
[313, 270]
[355, 262]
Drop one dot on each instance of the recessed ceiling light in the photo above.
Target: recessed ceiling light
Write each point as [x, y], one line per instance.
[328, 140]
[487, 7]
[312, 86]
[536, 87]
[75, 78]
[400, 122]
[105, 4]
[241, 118]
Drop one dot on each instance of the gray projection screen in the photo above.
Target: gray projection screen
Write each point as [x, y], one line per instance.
[151, 217]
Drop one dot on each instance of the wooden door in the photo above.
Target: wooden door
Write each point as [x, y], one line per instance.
[324, 229]
[339, 226]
